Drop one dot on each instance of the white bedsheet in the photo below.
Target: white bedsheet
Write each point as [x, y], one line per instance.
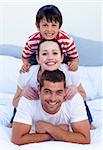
[96, 107]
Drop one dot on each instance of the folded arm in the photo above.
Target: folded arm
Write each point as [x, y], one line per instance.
[80, 134]
[21, 135]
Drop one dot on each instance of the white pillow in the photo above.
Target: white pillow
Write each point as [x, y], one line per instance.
[9, 72]
[92, 81]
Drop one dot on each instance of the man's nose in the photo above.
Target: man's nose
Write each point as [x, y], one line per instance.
[53, 97]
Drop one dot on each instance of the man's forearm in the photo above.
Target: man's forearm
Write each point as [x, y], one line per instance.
[31, 138]
[59, 134]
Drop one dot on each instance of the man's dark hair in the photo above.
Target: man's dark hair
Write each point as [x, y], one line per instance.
[44, 40]
[52, 76]
[51, 13]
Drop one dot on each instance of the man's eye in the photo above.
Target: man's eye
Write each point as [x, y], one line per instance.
[46, 91]
[59, 92]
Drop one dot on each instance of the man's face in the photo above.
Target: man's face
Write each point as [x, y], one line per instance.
[48, 30]
[52, 95]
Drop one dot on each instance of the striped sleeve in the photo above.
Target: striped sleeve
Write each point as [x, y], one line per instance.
[31, 45]
[68, 46]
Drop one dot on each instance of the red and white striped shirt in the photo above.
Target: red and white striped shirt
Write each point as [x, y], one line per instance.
[67, 45]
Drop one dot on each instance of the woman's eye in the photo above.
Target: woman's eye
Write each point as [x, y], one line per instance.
[55, 53]
[44, 54]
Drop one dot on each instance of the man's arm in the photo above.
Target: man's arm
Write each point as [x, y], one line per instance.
[21, 135]
[80, 134]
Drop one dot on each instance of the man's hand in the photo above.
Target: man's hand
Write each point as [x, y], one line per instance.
[30, 93]
[64, 127]
[70, 92]
[42, 126]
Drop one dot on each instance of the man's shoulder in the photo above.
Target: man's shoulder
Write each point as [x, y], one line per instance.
[77, 99]
[33, 69]
[24, 101]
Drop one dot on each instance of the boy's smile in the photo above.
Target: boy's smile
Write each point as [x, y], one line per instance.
[48, 30]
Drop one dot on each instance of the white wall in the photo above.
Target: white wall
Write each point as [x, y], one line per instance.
[17, 19]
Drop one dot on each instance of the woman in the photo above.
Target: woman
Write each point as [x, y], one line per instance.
[49, 57]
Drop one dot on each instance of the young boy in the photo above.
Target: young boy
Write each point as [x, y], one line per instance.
[48, 22]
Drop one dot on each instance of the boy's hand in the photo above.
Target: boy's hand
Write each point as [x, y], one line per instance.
[73, 65]
[25, 68]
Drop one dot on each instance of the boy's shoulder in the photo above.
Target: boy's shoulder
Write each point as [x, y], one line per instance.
[35, 36]
[64, 35]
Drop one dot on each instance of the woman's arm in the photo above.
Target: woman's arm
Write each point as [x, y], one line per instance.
[81, 91]
[17, 96]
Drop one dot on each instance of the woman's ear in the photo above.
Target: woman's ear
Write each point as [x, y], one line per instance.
[62, 57]
[37, 58]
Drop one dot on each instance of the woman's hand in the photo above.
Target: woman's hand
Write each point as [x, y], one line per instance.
[30, 93]
[70, 92]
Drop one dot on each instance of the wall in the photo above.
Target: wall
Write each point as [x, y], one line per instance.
[17, 19]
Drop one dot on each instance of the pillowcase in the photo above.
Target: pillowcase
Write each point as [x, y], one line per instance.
[9, 72]
[92, 81]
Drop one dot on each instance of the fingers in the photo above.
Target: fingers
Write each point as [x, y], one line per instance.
[25, 68]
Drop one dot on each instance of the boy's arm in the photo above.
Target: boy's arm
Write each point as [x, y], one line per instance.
[26, 65]
[73, 64]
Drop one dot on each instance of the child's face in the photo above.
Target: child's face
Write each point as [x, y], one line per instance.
[48, 30]
[50, 57]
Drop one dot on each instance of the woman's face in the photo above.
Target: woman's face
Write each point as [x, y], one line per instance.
[50, 57]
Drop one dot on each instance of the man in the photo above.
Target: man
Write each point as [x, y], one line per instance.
[51, 116]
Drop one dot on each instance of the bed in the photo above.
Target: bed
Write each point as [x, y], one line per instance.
[91, 74]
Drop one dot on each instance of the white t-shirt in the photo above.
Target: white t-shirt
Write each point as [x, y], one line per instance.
[29, 79]
[29, 112]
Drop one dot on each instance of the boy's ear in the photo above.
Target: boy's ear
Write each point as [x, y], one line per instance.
[37, 26]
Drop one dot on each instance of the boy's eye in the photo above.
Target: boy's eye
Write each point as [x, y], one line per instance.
[45, 25]
[54, 25]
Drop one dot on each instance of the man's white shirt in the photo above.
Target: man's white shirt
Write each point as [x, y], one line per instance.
[30, 111]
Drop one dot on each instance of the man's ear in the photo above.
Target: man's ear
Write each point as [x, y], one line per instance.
[39, 90]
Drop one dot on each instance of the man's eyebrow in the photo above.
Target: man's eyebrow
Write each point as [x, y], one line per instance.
[47, 89]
